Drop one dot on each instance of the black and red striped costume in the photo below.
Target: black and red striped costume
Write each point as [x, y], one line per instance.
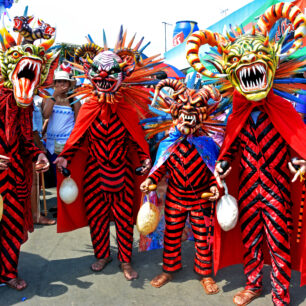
[189, 177]
[16, 142]
[265, 202]
[108, 186]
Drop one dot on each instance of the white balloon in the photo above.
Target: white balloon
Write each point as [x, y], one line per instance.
[68, 191]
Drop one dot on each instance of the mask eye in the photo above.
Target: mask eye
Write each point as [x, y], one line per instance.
[16, 54]
[114, 70]
[198, 104]
[261, 52]
[29, 50]
[234, 59]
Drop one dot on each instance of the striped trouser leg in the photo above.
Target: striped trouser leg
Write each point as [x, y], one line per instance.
[122, 209]
[175, 222]
[251, 223]
[97, 210]
[11, 235]
[203, 256]
[275, 225]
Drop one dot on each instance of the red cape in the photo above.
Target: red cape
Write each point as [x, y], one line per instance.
[228, 245]
[73, 216]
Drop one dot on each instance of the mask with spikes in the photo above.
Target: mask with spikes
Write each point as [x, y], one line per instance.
[188, 107]
[27, 68]
[249, 61]
[112, 72]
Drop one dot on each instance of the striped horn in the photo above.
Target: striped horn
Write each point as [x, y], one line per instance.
[174, 84]
[291, 12]
[88, 50]
[198, 39]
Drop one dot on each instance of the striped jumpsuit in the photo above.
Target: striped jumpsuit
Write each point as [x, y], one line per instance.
[189, 177]
[13, 187]
[108, 184]
[264, 204]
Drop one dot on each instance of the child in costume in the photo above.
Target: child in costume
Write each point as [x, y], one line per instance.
[262, 127]
[188, 155]
[25, 67]
[106, 146]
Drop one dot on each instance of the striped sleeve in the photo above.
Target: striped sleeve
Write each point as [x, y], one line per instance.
[230, 155]
[69, 153]
[158, 174]
[29, 148]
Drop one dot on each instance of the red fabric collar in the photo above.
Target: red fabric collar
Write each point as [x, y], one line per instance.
[282, 114]
[91, 109]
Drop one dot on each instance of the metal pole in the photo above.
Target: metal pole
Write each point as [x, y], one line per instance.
[165, 23]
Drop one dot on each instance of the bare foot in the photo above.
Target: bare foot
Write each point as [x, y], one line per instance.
[245, 297]
[209, 285]
[44, 220]
[128, 272]
[17, 284]
[100, 264]
[161, 280]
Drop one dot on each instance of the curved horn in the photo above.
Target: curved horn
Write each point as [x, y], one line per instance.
[47, 44]
[291, 12]
[198, 39]
[88, 50]
[213, 92]
[174, 84]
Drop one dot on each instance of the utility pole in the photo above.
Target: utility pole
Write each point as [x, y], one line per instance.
[165, 24]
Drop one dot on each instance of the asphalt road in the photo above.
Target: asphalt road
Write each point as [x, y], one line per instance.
[56, 267]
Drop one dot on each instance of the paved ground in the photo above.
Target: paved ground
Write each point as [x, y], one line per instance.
[57, 269]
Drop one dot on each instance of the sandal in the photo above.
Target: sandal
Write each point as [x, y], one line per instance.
[246, 296]
[43, 220]
[161, 280]
[128, 272]
[100, 264]
[17, 284]
[208, 283]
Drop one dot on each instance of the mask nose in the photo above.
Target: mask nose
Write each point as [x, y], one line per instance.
[103, 74]
[248, 58]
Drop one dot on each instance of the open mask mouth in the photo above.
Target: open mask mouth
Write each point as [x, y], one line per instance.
[189, 120]
[105, 85]
[253, 77]
[25, 79]
[17, 25]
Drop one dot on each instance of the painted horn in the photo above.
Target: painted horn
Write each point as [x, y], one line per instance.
[212, 91]
[194, 42]
[174, 84]
[86, 50]
[291, 12]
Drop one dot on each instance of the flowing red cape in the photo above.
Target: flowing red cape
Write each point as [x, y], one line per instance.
[228, 245]
[73, 216]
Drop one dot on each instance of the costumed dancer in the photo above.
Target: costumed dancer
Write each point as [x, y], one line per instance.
[108, 137]
[25, 70]
[262, 127]
[188, 154]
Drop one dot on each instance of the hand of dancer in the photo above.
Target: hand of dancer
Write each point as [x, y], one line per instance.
[146, 166]
[144, 186]
[61, 163]
[4, 160]
[215, 191]
[42, 164]
[219, 175]
[300, 172]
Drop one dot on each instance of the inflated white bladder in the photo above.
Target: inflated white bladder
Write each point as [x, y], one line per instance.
[68, 191]
[147, 218]
[227, 210]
